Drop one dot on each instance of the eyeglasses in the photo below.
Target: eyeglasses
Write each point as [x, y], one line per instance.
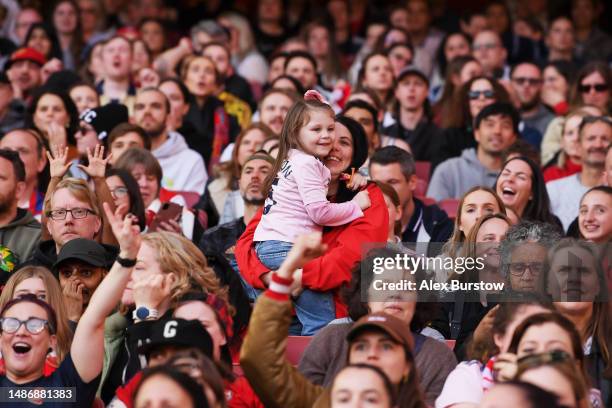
[77, 213]
[486, 46]
[33, 324]
[119, 192]
[519, 268]
[531, 81]
[588, 88]
[473, 95]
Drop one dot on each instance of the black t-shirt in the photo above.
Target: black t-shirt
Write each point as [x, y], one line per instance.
[66, 375]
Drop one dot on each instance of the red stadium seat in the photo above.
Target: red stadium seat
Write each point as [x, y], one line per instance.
[450, 206]
[191, 198]
[423, 168]
[427, 200]
[450, 343]
[421, 188]
[295, 348]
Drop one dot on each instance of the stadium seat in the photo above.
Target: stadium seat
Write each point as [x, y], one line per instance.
[450, 205]
[427, 200]
[295, 347]
[423, 169]
[421, 188]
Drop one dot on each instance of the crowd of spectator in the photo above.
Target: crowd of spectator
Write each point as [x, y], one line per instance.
[195, 197]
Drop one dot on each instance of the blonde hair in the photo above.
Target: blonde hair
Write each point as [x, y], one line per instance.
[54, 298]
[79, 189]
[176, 254]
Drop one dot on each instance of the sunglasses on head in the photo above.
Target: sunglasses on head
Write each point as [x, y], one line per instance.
[476, 94]
[590, 87]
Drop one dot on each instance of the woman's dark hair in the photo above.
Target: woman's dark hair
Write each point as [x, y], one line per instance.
[566, 69]
[76, 42]
[69, 105]
[588, 69]
[180, 85]
[441, 58]
[192, 388]
[534, 396]
[380, 45]
[136, 204]
[445, 105]
[56, 50]
[298, 85]
[360, 154]
[389, 388]
[362, 72]
[460, 115]
[361, 280]
[538, 208]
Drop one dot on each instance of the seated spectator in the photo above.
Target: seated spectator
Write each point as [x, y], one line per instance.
[30, 146]
[567, 160]
[80, 267]
[489, 50]
[273, 107]
[327, 353]
[19, 231]
[376, 74]
[220, 201]
[184, 169]
[469, 100]
[84, 96]
[413, 115]
[594, 137]
[558, 77]
[206, 112]
[270, 323]
[82, 366]
[94, 128]
[521, 187]
[178, 96]
[23, 69]
[594, 215]
[55, 116]
[125, 191]
[42, 38]
[234, 90]
[525, 248]
[471, 380]
[126, 136]
[147, 172]
[420, 223]
[115, 86]
[38, 281]
[561, 40]
[495, 129]
[593, 86]
[526, 79]
[454, 45]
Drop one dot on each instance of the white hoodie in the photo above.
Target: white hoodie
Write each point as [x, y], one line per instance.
[183, 168]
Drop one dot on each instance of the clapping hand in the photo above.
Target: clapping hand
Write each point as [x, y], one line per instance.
[57, 161]
[96, 168]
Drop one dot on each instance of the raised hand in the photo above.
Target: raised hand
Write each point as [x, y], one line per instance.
[305, 248]
[125, 230]
[97, 163]
[57, 161]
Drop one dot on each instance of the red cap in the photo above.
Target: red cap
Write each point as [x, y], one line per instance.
[27, 54]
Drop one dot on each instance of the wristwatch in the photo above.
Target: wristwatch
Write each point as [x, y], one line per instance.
[126, 263]
[144, 313]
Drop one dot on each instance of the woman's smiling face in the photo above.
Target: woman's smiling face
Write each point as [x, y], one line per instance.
[341, 153]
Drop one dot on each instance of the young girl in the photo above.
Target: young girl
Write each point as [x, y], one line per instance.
[297, 202]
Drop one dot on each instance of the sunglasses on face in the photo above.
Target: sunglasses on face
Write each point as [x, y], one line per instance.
[33, 324]
[597, 87]
[473, 95]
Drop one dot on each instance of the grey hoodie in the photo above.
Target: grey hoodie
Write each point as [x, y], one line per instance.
[183, 168]
[21, 235]
[453, 177]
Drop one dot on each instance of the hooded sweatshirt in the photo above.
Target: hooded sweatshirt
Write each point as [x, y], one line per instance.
[452, 178]
[183, 168]
[21, 235]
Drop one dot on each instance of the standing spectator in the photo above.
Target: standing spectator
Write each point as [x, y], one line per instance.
[24, 71]
[489, 50]
[19, 231]
[420, 222]
[527, 84]
[425, 39]
[184, 169]
[115, 85]
[68, 27]
[561, 40]
[413, 115]
[593, 86]
[495, 129]
[591, 42]
[595, 135]
[30, 146]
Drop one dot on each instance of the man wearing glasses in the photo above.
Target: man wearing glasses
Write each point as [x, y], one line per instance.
[595, 135]
[527, 84]
[28, 330]
[490, 52]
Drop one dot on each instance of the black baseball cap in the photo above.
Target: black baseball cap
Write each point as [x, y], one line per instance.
[85, 250]
[178, 333]
[412, 70]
